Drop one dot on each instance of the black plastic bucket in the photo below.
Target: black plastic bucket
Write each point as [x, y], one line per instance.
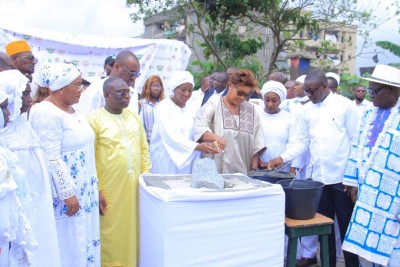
[302, 198]
[272, 178]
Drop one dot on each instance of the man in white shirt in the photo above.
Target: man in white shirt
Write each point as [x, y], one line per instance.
[326, 128]
[126, 67]
[198, 95]
[359, 99]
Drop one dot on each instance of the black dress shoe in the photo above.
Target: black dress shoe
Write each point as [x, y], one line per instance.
[305, 262]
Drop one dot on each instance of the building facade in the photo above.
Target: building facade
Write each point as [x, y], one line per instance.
[333, 49]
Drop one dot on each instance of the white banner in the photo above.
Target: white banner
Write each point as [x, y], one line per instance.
[88, 52]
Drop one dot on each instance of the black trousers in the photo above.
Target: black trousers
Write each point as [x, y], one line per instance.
[335, 201]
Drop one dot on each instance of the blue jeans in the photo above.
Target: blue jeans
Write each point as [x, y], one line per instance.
[335, 201]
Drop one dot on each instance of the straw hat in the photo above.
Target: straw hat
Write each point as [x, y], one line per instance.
[385, 74]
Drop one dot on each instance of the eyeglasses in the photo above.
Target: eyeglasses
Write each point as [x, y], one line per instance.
[80, 87]
[31, 59]
[374, 92]
[156, 86]
[122, 93]
[131, 73]
[241, 93]
[312, 91]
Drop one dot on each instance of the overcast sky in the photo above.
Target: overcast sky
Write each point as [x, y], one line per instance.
[389, 31]
[111, 18]
[97, 17]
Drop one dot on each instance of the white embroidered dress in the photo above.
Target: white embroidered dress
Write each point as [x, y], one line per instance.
[69, 140]
[14, 225]
[34, 190]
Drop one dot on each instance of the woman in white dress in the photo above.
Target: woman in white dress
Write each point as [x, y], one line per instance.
[69, 143]
[172, 147]
[34, 187]
[15, 229]
[279, 126]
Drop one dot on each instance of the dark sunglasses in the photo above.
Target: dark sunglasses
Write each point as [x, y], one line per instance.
[131, 73]
[374, 92]
[312, 91]
[241, 93]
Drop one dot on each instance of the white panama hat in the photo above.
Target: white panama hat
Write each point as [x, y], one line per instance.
[385, 74]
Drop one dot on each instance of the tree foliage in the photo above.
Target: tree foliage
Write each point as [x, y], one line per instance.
[348, 83]
[392, 47]
[214, 25]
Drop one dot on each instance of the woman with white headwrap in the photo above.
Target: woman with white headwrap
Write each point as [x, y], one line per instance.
[279, 126]
[18, 91]
[69, 140]
[33, 190]
[41, 80]
[172, 149]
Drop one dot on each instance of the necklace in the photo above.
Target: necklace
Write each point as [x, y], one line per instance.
[366, 153]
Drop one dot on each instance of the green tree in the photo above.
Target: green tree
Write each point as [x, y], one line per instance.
[219, 40]
[348, 83]
[215, 24]
[392, 47]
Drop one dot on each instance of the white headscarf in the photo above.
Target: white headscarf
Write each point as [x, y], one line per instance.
[13, 82]
[42, 74]
[180, 77]
[301, 79]
[62, 75]
[334, 76]
[276, 87]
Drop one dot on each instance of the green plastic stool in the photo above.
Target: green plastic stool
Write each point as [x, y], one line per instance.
[319, 225]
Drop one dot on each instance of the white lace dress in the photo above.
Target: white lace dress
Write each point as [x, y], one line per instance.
[69, 140]
[14, 225]
[34, 190]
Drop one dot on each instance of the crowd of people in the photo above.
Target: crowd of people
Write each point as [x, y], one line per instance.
[71, 156]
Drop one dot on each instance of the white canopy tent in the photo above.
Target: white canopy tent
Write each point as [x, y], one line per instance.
[88, 52]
